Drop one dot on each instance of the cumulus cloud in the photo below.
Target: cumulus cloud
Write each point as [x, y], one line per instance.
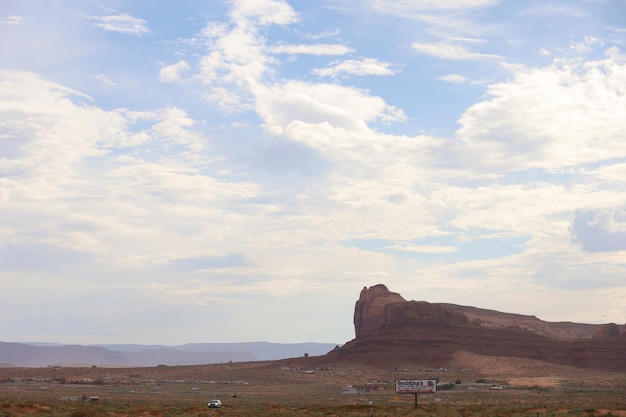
[322, 35]
[236, 62]
[174, 125]
[453, 78]
[173, 73]
[29, 95]
[585, 46]
[13, 20]
[610, 174]
[360, 67]
[565, 114]
[238, 80]
[312, 49]
[600, 230]
[449, 51]
[335, 105]
[121, 23]
[47, 152]
[263, 12]
[74, 149]
[104, 80]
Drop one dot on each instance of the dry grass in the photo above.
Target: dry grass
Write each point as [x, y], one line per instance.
[265, 389]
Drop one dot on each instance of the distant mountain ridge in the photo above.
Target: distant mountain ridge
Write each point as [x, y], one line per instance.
[48, 354]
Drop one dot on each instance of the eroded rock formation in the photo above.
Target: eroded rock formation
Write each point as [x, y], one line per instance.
[390, 331]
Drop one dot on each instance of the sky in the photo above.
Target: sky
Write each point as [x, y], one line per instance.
[238, 170]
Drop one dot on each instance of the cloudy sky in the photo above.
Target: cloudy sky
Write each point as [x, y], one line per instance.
[238, 170]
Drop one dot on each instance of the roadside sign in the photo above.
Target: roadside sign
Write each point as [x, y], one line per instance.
[418, 386]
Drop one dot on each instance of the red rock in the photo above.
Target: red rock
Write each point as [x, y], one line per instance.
[390, 331]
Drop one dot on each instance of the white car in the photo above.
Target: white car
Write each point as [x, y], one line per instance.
[215, 404]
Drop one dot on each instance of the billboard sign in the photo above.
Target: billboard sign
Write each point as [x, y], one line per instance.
[416, 386]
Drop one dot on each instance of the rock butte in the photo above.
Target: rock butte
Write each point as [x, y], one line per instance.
[390, 331]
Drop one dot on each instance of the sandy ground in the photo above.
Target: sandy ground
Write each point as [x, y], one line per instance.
[527, 372]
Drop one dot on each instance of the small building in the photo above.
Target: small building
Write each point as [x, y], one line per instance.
[350, 391]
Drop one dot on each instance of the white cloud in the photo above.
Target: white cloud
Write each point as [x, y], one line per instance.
[13, 20]
[172, 73]
[228, 100]
[441, 19]
[325, 34]
[121, 23]
[313, 49]
[453, 78]
[107, 185]
[263, 12]
[431, 249]
[562, 115]
[360, 67]
[554, 11]
[601, 229]
[612, 174]
[174, 126]
[449, 51]
[585, 46]
[335, 105]
[237, 80]
[403, 7]
[104, 80]
[237, 59]
[518, 209]
[57, 125]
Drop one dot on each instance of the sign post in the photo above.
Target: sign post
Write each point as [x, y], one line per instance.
[416, 386]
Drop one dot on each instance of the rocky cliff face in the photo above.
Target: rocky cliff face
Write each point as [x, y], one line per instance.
[380, 311]
[370, 310]
[391, 331]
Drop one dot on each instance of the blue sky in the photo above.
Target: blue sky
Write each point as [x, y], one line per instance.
[223, 171]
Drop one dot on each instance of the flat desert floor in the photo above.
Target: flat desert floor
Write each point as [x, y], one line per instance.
[308, 387]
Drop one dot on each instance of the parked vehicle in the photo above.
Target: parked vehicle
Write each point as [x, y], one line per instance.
[215, 404]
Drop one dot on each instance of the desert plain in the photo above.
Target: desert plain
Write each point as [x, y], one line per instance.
[310, 387]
